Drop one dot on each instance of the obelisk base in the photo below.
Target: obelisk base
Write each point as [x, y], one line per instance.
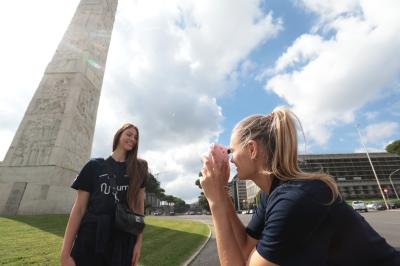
[20, 193]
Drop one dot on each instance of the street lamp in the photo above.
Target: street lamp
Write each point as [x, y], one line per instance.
[391, 182]
[373, 169]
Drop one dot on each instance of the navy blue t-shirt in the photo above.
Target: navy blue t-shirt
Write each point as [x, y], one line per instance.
[295, 225]
[94, 178]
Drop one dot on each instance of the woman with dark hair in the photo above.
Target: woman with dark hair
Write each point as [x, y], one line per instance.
[301, 218]
[91, 237]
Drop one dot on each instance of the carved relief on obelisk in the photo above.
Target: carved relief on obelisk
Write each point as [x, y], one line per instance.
[55, 136]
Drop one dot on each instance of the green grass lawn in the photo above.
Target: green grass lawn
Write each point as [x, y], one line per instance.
[36, 240]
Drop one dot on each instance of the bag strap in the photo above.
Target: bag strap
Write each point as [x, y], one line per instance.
[113, 179]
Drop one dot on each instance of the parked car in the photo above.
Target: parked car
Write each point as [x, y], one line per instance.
[370, 205]
[394, 204]
[251, 211]
[157, 213]
[359, 205]
[378, 206]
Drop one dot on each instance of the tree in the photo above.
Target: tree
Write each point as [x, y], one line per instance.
[169, 199]
[152, 184]
[160, 193]
[180, 205]
[394, 147]
[203, 202]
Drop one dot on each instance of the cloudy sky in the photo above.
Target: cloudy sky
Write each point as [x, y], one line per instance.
[186, 71]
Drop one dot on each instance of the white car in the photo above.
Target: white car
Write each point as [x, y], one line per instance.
[359, 205]
[370, 205]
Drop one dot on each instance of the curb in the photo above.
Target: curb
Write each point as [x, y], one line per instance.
[194, 256]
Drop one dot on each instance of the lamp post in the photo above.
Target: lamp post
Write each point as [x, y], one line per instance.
[391, 182]
[373, 169]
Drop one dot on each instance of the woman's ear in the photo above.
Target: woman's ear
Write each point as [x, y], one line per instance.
[253, 149]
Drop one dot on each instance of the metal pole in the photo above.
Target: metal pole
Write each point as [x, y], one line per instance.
[390, 178]
[373, 169]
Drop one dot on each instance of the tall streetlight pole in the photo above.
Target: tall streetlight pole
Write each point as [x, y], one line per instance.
[373, 169]
[391, 182]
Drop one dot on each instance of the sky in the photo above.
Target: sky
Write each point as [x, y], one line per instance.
[186, 71]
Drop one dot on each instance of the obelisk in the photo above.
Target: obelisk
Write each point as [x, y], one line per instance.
[54, 138]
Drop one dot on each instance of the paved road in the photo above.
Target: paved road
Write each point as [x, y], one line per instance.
[386, 223]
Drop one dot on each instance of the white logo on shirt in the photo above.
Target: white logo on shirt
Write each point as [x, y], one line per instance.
[106, 188]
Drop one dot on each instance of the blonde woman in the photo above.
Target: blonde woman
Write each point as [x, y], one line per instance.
[301, 219]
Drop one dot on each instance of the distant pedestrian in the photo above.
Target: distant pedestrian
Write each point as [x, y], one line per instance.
[301, 218]
[91, 237]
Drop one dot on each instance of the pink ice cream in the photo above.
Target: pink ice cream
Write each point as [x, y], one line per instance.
[221, 152]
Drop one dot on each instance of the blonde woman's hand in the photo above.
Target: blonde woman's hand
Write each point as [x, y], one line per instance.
[215, 175]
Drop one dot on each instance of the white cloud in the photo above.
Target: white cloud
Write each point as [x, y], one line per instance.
[329, 9]
[306, 48]
[167, 65]
[377, 136]
[371, 115]
[168, 62]
[325, 78]
[29, 39]
[5, 140]
[370, 149]
[380, 131]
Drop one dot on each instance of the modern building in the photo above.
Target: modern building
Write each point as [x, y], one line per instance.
[151, 200]
[252, 190]
[238, 192]
[353, 174]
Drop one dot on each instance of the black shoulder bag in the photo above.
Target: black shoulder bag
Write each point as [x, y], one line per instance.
[125, 219]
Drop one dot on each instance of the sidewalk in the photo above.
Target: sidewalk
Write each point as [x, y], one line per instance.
[208, 255]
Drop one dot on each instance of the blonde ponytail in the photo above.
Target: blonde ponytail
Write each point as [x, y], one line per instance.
[278, 135]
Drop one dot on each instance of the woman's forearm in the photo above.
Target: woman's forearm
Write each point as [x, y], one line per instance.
[227, 245]
[238, 229]
[71, 230]
[139, 239]
[74, 221]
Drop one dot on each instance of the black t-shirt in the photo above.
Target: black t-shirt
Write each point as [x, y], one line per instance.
[296, 226]
[94, 178]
